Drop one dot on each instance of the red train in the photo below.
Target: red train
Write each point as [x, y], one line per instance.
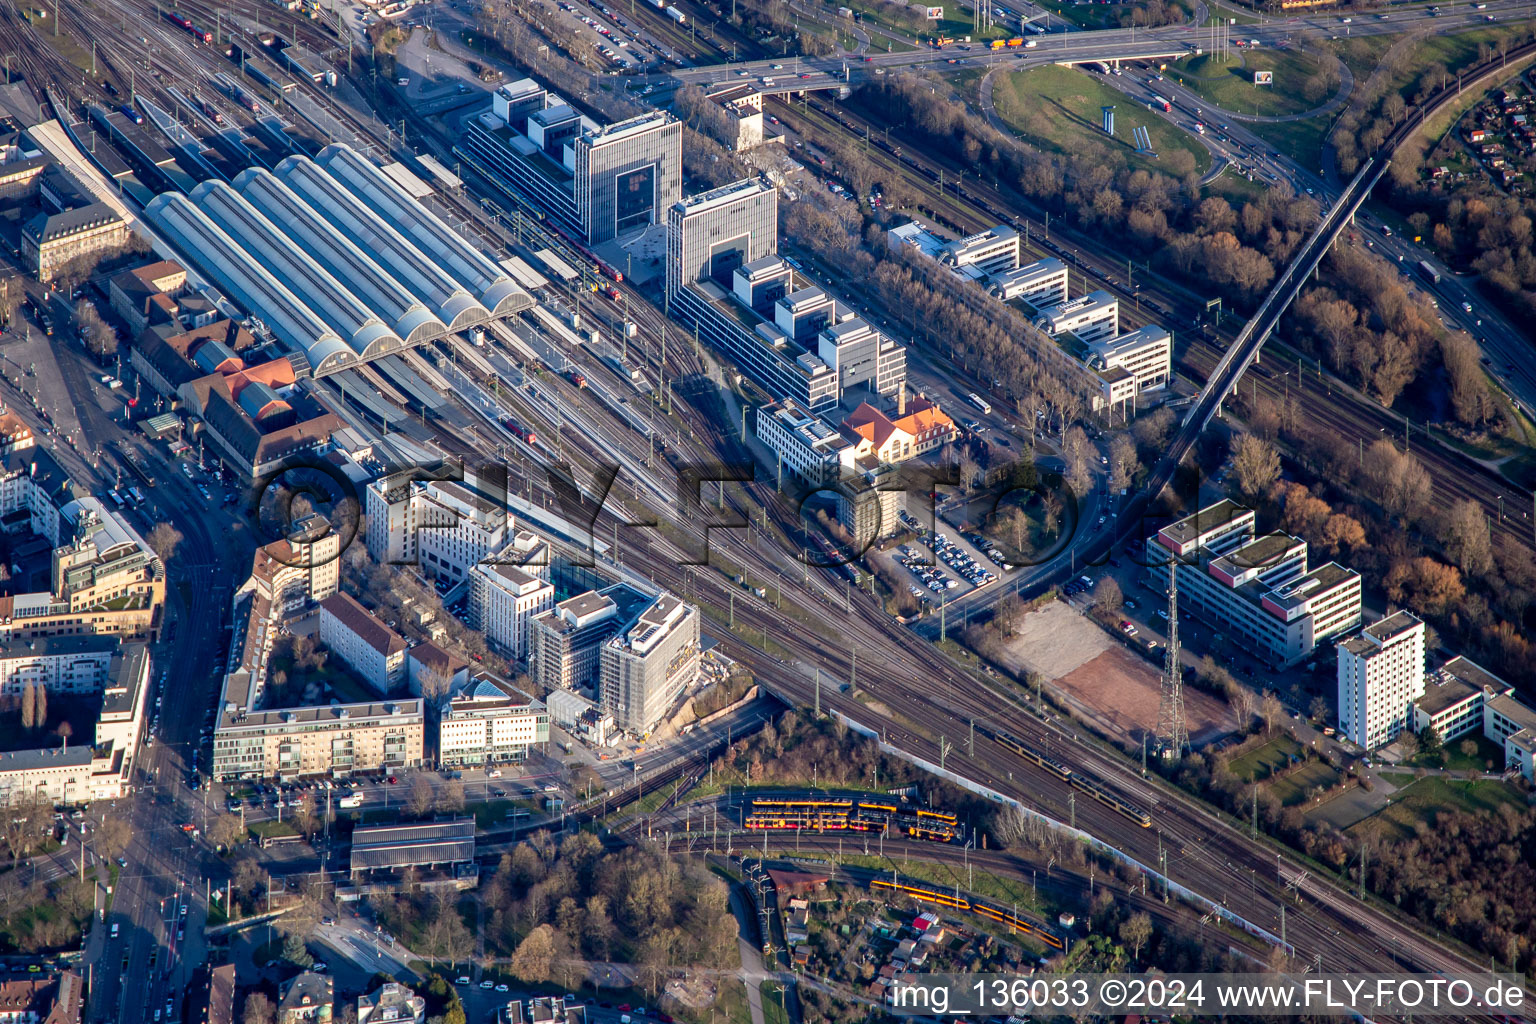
[520, 432]
[186, 24]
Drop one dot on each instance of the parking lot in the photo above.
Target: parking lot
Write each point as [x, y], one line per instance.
[941, 567]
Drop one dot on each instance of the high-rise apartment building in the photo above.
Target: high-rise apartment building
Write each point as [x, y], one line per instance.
[1381, 674]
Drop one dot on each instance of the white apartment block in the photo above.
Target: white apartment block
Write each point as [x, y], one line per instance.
[1257, 590]
[88, 768]
[808, 447]
[62, 664]
[1380, 675]
[369, 647]
[1090, 317]
[489, 723]
[502, 599]
[1462, 696]
[1041, 284]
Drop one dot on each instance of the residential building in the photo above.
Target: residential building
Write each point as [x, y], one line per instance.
[812, 450]
[306, 998]
[15, 435]
[1089, 318]
[98, 767]
[46, 997]
[446, 527]
[49, 242]
[488, 722]
[503, 599]
[1512, 724]
[742, 106]
[1257, 591]
[62, 664]
[301, 570]
[649, 663]
[324, 740]
[393, 1003]
[213, 995]
[1380, 675]
[565, 642]
[432, 672]
[1041, 284]
[922, 419]
[711, 234]
[374, 651]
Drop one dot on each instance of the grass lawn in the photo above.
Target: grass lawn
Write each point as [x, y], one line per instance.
[1302, 141]
[775, 1001]
[497, 812]
[982, 883]
[1451, 756]
[268, 829]
[1398, 779]
[1266, 759]
[1057, 109]
[1292, 790]
[1428, 797]
[1299, 83]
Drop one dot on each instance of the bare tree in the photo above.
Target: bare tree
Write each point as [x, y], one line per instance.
[1077, 453]
[1122, 463]
[422, 795]
[1256, 465]
[163, 540]
[1271, 710]
[1466, 537]
[1135, 932]
[258, 1010]
[1107, 596]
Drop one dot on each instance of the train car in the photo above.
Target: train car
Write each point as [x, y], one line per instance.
[177, 20]
[1050, 764]
[578, 378]
[938, 816]
[943, 899]
[611, 273]
[1099, 793]
[520, 432]
[841, 805]
[202, 35]
[1019, 924]
[212, 112]
[887, 808]
[131, 114]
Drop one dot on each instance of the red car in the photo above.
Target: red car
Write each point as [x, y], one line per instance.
[625, 1007]
[393, 780]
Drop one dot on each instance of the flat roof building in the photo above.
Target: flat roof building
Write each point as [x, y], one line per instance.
[488, 723]
[603, 180]
[428, 844]
[1380, 675]
[648, 665]
[1259, 590]
[1090, 317]
[564, 643]
[710, 234]
[1041, 284]
[1145, 355]
[993, 251]
[813, 450]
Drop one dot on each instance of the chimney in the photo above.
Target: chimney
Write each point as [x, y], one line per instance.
[901, 399]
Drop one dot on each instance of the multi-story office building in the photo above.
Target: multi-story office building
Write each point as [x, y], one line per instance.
[649, 663]
[488, 722]
[445, 527]
[711, 234]
[1462, 696]
[1257, 590]
[811, 449]
[503, 599]
[564, 643]
[994, 251]
[862, 357]
[724, 280]
[1041, 284]
[51, 241]
[1090, 317]
[1380, 675]
[371, 649]
[1144, 357]
[604, 180]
